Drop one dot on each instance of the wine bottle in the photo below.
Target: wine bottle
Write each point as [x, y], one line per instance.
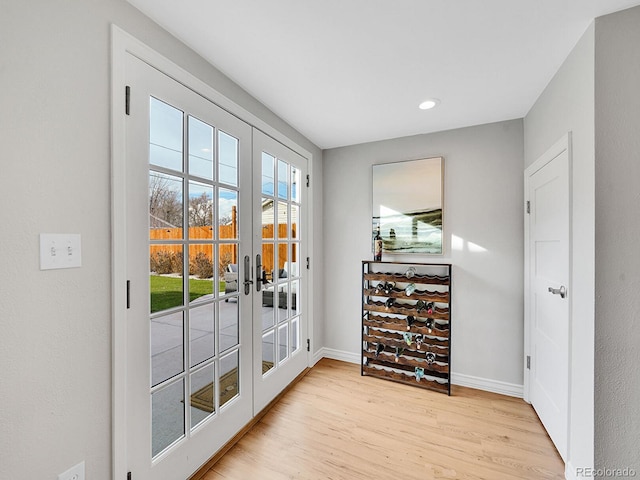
[409, 289]
[420, 305]
[418, 341]
[389, 303]
[429, 307]
[388, 287]
[379, 348]
[419, 373]
[410, 321]
[377, 246]
[431, 357]
[410, 273]
[399, 352]
[429, 324]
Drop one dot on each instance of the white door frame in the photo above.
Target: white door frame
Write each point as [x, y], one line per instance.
[121, 44]
[564, 144]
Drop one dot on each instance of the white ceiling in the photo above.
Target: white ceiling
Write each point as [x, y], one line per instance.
[344, 72]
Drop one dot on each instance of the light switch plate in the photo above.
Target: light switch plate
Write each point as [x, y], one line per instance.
[60, 250]
[74, 473]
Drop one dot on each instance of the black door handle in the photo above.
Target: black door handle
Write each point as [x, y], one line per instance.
[258, 272]
[247, 275]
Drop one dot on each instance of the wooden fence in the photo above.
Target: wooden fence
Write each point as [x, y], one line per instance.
[228, 251]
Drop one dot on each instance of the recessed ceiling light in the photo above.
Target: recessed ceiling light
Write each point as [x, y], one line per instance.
[428, 104]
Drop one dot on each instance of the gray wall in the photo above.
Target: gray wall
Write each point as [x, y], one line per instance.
[617, 354]
[567, 104]
[483, 239]
[55, 350]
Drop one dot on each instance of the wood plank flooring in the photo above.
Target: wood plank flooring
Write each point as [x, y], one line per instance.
[335, 424]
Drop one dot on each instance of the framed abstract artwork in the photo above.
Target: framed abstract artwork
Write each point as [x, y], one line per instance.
[408, 205]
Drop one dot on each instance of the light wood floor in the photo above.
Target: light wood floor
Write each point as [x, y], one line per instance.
[335, 424]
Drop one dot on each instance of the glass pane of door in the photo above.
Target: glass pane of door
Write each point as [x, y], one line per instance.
[281, 321]
[187, 337]
[276, 273]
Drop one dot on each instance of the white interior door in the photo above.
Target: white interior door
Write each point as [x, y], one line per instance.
[189, 323]
[280, 317]
[548, 290]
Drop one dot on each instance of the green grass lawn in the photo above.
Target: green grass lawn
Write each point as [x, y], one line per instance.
[166, 292]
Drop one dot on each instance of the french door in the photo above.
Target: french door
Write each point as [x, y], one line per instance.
[215, 310]
[280, 326]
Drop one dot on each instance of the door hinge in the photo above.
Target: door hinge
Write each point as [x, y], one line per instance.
[308, 345]
[127, 99]
[308, 263]
[128, 293]
[528, 206]
[528, 362]
[308, 180]
[128, 475]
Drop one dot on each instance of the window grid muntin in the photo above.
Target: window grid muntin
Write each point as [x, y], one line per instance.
[291, 174]
[186, 241]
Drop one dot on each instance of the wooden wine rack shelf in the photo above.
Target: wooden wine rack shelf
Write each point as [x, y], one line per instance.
[406, 309]
[401, 277]
[425, 295]
[408, 379]
[406, 333]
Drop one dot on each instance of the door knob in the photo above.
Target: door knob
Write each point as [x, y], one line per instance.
[562, 291]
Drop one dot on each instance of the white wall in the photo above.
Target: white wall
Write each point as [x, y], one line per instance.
[567, 104]
[483, 213]
[55, 350]
[617, 221]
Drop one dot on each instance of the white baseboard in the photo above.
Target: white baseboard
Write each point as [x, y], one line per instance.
[488, 385]
[317, 356]
[338, 355]
[495, 386]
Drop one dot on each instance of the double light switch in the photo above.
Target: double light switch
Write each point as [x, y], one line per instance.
[60, 250]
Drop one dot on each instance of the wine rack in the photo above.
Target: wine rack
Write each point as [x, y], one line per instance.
[406, 323]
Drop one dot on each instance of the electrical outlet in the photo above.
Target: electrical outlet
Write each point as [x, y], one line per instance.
[60, 251]
[74, 473]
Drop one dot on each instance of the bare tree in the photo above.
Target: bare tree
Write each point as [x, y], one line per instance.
[165, 202]
[201, 211]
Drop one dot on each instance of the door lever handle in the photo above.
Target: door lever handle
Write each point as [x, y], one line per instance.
[562, 291]
[247, 275]
[259, 278]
